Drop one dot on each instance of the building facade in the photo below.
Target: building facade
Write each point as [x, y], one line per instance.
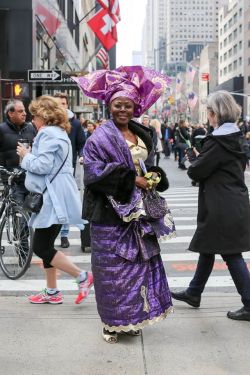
[42, 35]
[234, 50]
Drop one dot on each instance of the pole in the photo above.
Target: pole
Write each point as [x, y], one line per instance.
[76, 24]
[207, 87]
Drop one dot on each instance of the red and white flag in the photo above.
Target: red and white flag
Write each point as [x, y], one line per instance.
[192, 100]
[104, 27]
[191, 73]
[103, 58]
[49, 21]
[113, 8]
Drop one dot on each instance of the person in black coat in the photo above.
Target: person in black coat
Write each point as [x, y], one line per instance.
[12, 131]
[223, 221]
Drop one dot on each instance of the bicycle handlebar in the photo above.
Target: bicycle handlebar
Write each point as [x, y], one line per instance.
[14, 173]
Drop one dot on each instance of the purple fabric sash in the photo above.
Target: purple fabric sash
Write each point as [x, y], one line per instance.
[103, 152]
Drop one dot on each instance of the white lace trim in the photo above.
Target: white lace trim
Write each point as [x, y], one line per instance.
[135, 215]
[141, 325]
[167, 236]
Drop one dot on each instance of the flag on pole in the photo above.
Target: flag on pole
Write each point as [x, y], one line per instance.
[178, 85]
[191, 73]
[192, 100]
[49, 21]
[104, 27]
[103, 58]
[113, 8]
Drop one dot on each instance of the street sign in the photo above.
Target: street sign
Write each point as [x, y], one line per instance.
[44, 75]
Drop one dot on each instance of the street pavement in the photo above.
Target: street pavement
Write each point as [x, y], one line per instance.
[65, 339]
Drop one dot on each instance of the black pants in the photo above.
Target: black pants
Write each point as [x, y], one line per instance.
[237, 268]
[43, 243]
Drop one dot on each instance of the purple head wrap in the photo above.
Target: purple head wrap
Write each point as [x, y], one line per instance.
[140, 84]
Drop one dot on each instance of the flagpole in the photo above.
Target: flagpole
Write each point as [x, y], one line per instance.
[86, 15]
[91, 57]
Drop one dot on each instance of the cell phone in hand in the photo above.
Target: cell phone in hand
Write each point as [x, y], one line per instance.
[190, 154]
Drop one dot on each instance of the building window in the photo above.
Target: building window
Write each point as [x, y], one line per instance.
[235, 64]
[248, 79]
[240, 61]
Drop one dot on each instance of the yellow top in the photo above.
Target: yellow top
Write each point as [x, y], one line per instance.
[138, 151]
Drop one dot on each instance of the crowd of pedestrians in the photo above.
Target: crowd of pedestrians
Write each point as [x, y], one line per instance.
[121, 158]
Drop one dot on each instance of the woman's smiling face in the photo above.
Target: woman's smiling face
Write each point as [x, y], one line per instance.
[122, 110]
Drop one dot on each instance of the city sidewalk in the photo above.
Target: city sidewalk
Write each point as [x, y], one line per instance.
[65, 340]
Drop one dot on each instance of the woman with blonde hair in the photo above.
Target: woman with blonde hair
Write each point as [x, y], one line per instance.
[157, 125]
[51, 156]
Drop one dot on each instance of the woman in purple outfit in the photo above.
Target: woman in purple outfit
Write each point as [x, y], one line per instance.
[130, 282]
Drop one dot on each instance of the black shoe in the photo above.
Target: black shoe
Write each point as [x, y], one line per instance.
[241, 314]
[183, 167]
[185, 297]
[64, 242]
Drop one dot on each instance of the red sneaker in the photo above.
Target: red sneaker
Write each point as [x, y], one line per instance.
[84, 288]
[44, 297]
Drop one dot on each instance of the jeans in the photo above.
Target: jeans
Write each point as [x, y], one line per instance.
[238, 271]
[65, 230]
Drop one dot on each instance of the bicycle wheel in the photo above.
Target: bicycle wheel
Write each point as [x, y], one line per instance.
[15, 242]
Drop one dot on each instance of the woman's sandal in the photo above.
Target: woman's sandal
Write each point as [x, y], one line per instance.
[132, 332]
[109, 337]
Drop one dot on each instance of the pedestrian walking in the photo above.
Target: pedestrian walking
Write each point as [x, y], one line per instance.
[77, 138]
[130, 283]
[157, 125]
[182, 138]
[51, 156]
[223, 207]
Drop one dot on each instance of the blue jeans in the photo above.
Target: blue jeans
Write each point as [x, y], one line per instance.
[64, 230]
[237, 268]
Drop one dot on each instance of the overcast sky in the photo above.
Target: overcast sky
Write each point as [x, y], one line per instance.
[130, 29]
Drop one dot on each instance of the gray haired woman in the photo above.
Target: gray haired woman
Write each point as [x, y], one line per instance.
[223, 207]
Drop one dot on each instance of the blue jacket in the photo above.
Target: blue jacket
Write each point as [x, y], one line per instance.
[61, 200]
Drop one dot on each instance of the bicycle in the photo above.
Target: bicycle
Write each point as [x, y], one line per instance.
[15, 234]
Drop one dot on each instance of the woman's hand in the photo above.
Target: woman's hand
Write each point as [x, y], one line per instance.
[141, 182]
[21, 150]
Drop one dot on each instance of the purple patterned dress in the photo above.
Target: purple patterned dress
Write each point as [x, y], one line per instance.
[131, 287]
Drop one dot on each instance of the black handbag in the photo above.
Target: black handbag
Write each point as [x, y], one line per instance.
[33, 202]
[155, 205]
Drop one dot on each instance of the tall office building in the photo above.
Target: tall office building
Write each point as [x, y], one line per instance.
[154, 34]
[190, 26]
[234, 50]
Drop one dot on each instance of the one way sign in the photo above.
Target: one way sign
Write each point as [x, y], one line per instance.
[44, 75]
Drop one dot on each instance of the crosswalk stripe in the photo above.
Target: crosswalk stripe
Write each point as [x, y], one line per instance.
[69, 285]
[185, 218]
[77, 241]
[183, 205]
[172, 257]
[180, 199]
